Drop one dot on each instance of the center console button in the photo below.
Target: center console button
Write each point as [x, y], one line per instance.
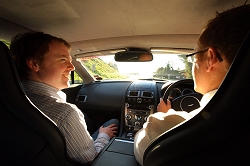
[128, 117]
[139, 100]
[138, 117]
[137, 123]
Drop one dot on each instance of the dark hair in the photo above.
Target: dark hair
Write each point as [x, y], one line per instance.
[31, 45]
[226, 31]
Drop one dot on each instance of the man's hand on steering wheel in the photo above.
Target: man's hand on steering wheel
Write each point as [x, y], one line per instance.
[163, 107]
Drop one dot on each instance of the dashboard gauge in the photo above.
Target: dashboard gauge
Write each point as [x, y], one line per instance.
[187, 91]
[174, 93]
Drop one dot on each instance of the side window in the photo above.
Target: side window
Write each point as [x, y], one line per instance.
[5, 42]
[75, 78]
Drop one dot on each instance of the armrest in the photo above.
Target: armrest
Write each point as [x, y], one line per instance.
[119, 151]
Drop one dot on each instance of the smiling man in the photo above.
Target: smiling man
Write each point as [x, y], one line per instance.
[44, 65]
[56, 62]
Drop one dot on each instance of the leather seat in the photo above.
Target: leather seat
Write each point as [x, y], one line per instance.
[28, 137]
[220, 133]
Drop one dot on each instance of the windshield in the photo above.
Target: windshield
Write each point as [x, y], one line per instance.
[162, 67]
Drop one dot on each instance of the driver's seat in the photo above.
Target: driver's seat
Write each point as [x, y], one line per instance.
[220, 133]
[28, 137]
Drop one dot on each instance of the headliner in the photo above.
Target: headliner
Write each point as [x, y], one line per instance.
[98, 25]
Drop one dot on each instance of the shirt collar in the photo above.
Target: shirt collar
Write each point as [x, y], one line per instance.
[207, 97]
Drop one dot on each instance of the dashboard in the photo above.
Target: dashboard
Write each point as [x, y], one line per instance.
[129, 101]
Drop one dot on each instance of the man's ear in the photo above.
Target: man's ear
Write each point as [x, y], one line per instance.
[33, 65]
[212, 59]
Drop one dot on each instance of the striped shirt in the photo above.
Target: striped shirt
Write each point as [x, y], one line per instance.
[69, 119]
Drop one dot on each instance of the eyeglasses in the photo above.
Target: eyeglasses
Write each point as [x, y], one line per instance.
[190, 57]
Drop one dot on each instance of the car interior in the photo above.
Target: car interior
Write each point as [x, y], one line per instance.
[218, 135]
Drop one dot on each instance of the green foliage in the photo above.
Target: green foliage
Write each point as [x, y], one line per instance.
[77, 78]
[188, 66]
[97, 67]
[5, 42]
[168, 72]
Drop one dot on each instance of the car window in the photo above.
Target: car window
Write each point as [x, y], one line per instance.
[162, 67]
[5, 42]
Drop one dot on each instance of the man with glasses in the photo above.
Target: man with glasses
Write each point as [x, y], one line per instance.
[216, 48]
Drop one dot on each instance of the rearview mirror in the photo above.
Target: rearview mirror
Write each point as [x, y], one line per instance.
[133, 56]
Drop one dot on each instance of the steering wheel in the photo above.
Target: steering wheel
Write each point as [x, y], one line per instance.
[184, 102]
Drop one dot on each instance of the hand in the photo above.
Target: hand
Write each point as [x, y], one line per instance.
[163, 107]
[111, 130]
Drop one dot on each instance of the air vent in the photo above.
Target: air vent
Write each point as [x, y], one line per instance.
[133, 94]
[82, 98]
[147, 94]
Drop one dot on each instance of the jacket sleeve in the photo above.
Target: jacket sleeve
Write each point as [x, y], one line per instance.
[156, 124]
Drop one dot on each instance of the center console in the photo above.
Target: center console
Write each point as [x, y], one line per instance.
[139, 104]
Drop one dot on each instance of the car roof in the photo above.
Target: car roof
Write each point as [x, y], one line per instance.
[100, 25]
